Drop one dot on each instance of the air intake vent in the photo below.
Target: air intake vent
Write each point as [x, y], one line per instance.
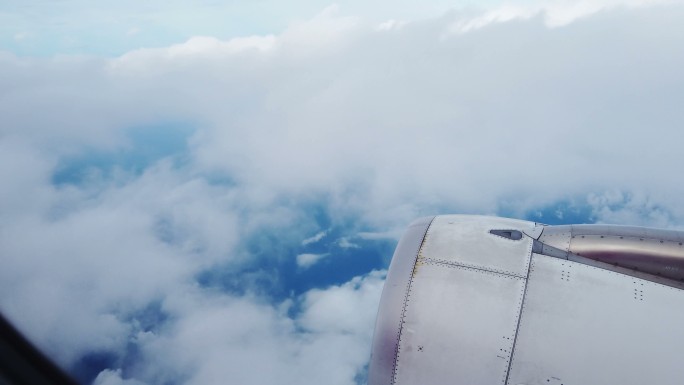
[514, 235]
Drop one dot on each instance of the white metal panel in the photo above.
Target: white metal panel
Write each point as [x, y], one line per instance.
[582, 325]
[458, 325]
[465, 240]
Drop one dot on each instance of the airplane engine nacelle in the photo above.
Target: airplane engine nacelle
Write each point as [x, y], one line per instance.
[485, 300]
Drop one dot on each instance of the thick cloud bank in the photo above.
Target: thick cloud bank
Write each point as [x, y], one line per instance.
[223, 210]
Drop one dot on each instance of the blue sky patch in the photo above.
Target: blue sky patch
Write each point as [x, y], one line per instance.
[146, 145]
[274, 271]
[91, 364]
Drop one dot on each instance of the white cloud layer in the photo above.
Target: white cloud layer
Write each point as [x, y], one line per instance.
[467, 113]
[218, 338]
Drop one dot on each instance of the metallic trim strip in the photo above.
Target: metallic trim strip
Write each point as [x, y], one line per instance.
[651, 254]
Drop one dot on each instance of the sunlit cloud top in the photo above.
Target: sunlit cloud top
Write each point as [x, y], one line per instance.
[111, 28]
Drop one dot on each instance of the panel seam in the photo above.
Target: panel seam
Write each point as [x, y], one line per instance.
[520, 313]
[472, 267]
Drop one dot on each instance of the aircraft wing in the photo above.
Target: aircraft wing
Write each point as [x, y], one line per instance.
[485, 300]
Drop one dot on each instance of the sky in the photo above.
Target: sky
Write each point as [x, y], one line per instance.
[211, 193]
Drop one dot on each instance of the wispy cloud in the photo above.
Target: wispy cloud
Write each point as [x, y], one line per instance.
[345, 243]
[307, 260]
[315, 239]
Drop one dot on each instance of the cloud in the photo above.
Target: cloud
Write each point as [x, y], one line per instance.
[635, 208]
[315, 239]
[345, 243]
[307, 260]
[390, 25]
[113, 377]
[194, 47]
[331, 124]
[327, 310]
[215, 337]
[554, 13]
